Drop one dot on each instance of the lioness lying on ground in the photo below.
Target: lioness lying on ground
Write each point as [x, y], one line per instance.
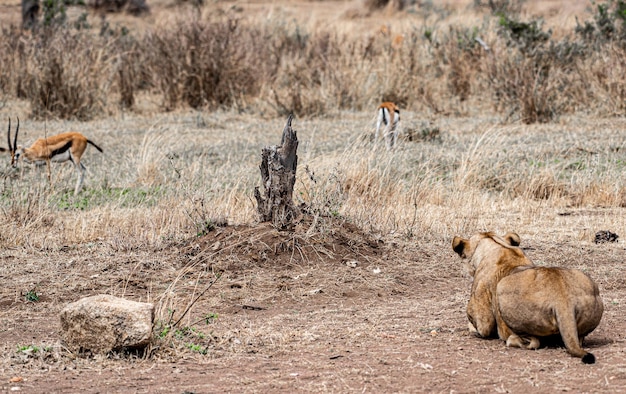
[520, 301]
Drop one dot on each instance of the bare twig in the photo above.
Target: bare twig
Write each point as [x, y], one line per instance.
[196, 300]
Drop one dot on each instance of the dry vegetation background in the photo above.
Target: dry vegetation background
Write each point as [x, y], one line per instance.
[527, 136]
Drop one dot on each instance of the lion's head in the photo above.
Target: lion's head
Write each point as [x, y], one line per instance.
[485, 244]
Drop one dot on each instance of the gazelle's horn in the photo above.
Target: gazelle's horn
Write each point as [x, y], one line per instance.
[9, 136]
[16, 131]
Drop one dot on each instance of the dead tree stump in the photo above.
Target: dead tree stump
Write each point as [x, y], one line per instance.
[278, 173]
[30, 14]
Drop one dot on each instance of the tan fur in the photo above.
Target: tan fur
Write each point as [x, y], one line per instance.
[520, 302]
[43, 147]
[58, 148]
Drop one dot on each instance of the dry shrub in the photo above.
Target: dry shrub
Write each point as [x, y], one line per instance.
[11, 58]
[312, 77]
[66, 74]
[206, 63]
[603, 82]
[524, 86]
[332, 71]
[281, 68]
[126, 83]
[293, 86]
[70, 74]
[129, 65]
[403, 73]
[461, 58]
[296, 100]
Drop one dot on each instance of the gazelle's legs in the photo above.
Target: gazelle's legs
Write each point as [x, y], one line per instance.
[378, 124]
[49, 172]
[81, 177]
[388, 142]
[396, 131]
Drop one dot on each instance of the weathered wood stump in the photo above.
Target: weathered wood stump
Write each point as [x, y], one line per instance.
[30, 13]
[278, 173]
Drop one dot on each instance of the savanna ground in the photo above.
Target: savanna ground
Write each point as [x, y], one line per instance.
[365, 294]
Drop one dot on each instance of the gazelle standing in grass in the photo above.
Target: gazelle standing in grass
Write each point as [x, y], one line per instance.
[389, 115]
[58, 148]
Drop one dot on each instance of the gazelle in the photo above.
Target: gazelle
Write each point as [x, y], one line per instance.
[389, 115]
[58, 148]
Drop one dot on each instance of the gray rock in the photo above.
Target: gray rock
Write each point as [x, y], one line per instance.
[103, 323]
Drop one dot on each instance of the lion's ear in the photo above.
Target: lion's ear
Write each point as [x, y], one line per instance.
[459, 245]
[512, 238]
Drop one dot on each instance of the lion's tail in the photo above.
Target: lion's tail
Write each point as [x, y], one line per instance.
[569, 332]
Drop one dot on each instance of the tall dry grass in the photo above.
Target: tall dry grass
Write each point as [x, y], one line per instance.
[274, 67]
[167, 179]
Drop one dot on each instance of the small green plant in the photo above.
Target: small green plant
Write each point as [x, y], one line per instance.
[68, 201]
[180, 333]
[164, 331]
[33, 351]
[190, 337]
[32, 296]
[428, 35]
[197, 348]
[210, 318]
[29, 349]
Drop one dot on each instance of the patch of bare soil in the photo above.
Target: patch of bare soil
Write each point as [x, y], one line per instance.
[324, 308]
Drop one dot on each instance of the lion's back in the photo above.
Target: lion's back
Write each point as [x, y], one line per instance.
[528, 299]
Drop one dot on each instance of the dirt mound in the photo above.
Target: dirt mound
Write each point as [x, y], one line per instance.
[314, 239]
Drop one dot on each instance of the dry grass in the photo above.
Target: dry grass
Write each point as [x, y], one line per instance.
[170, 175]
[162, 178]
[276, 65]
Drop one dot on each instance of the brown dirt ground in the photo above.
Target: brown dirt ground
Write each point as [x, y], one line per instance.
[294, 316]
